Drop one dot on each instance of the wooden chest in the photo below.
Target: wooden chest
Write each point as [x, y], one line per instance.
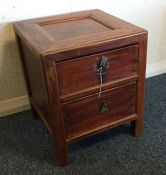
[85, 73]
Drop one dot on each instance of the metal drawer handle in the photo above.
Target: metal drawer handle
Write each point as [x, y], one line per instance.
[102, 64]
[104, 107]
[101, 69]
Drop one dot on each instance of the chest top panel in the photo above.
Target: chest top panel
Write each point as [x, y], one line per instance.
[74, 28]
[68, 31]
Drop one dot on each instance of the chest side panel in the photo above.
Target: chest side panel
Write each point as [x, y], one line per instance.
[35, 78]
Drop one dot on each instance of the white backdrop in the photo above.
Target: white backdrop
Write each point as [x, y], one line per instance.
[149, 14]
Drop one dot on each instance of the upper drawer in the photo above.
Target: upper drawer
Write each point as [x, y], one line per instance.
[82, 73]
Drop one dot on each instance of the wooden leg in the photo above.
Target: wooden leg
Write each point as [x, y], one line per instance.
[55, 112]
[62, 154]
[62, 157]
[137, 127]
[34, 113]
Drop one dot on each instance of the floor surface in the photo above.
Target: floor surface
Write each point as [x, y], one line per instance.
[27, 149]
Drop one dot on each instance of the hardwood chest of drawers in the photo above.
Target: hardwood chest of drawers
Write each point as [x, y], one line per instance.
[84, 72]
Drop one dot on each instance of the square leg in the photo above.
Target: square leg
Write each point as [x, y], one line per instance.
[62, 154]
[137, 127]
[34, 113]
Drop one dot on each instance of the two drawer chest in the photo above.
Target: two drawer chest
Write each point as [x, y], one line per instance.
[85, 73]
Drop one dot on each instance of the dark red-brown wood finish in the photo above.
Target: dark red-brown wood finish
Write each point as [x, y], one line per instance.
[73, 72]
[85, 114]
[61, 56]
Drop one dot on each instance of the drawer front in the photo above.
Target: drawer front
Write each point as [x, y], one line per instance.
[80, 74]
[88, 113]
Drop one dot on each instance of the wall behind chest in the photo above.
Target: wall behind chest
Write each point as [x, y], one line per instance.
[149, 14]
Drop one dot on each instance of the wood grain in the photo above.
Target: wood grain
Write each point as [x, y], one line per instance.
[83, 115]
[138, 124]
[32, 31]
[82, 73]
[57, 122]
[60, 55]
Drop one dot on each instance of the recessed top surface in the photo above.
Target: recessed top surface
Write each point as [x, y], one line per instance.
[74, 28]
[69, 31]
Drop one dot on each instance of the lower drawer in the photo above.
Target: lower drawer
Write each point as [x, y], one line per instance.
[88, 113]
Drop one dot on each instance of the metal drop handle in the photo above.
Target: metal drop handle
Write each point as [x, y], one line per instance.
[104, 107]
[103, 63]
[101, 69]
